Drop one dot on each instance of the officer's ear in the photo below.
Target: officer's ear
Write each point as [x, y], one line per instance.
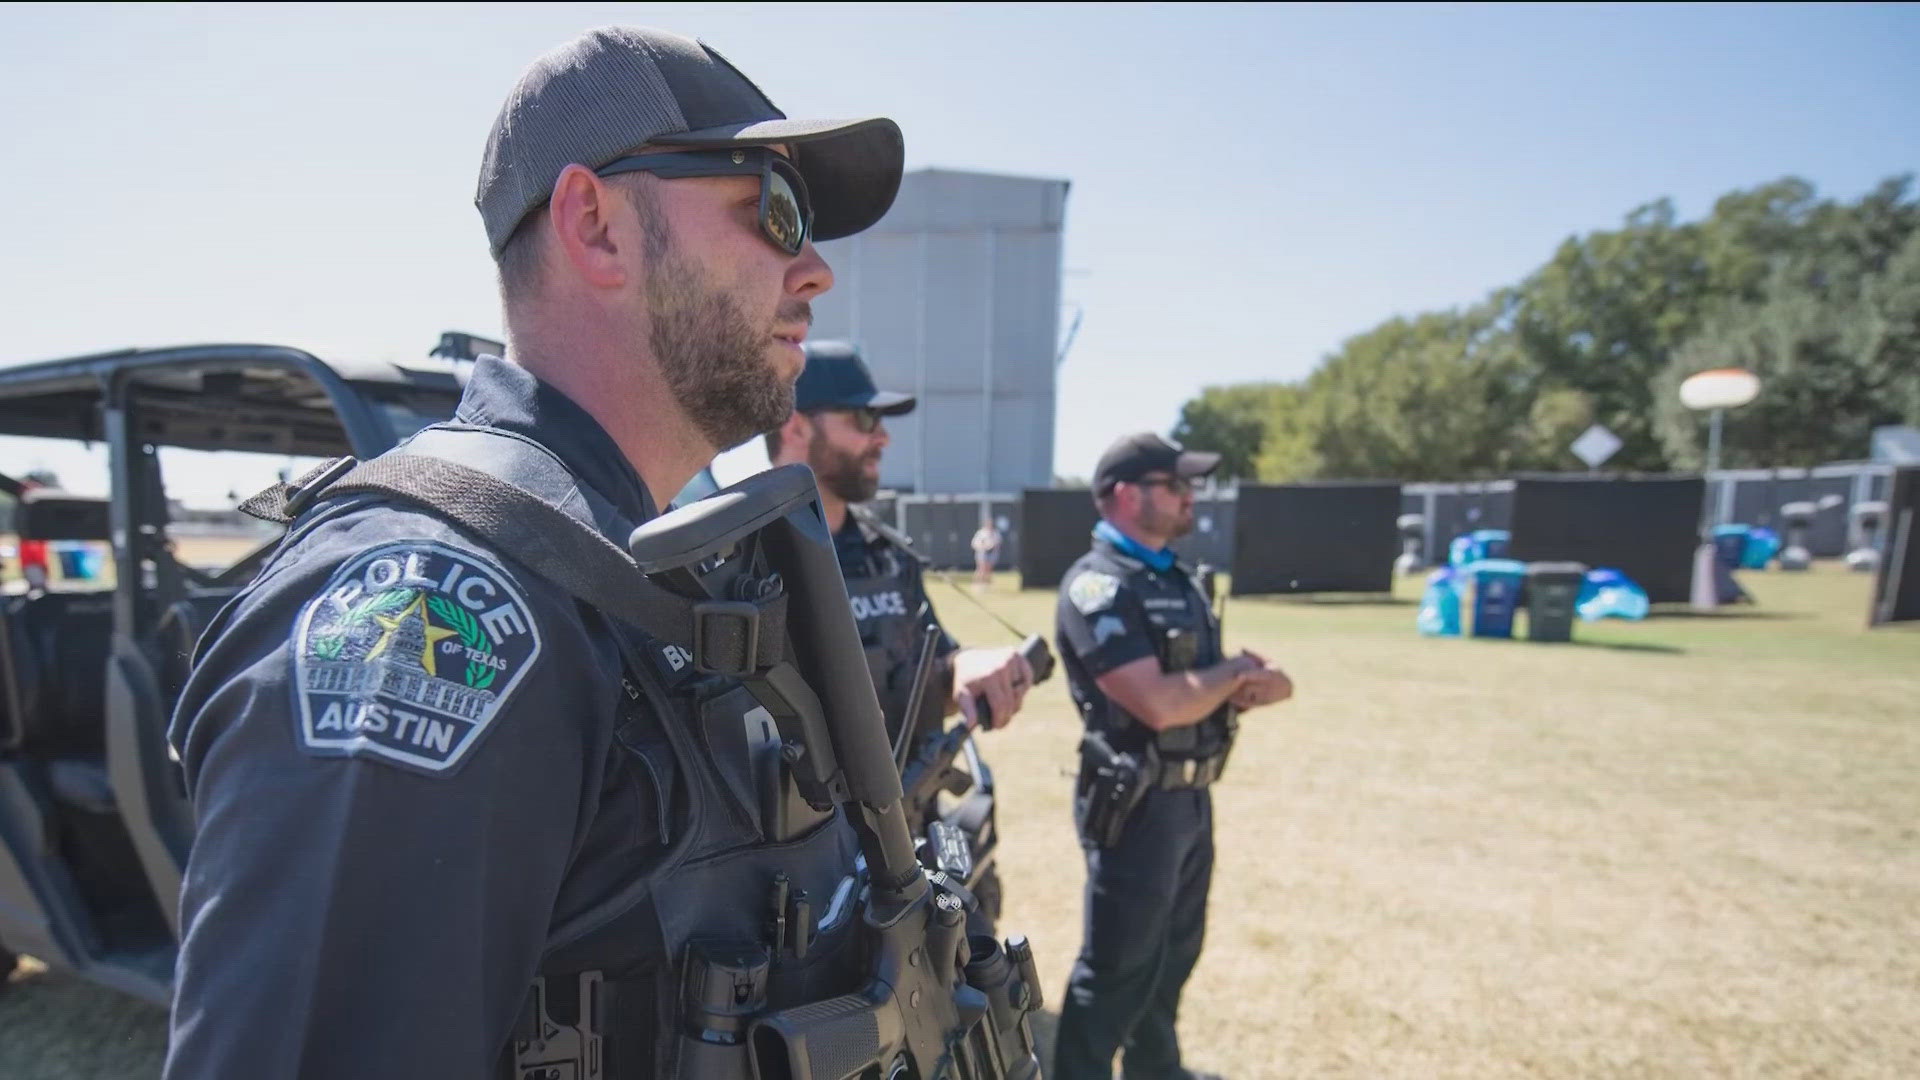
[584, 214]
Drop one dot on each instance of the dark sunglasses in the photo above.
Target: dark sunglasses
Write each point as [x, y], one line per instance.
[786, 213]
[864, 421]
[1177, 485]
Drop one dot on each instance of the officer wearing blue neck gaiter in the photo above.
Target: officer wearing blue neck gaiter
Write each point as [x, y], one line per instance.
[1160, 700]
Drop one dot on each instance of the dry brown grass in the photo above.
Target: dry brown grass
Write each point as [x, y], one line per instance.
[1680, 848]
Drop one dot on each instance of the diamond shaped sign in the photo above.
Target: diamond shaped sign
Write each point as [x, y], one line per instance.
[1595, 445]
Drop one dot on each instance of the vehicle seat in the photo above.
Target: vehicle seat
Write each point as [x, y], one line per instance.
[177, 634]
[53, 666]
[53, 661]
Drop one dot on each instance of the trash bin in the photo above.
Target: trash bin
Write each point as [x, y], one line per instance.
[1552, 590]
[1496, 595]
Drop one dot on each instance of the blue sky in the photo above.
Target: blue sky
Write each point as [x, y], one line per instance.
[1250, 185]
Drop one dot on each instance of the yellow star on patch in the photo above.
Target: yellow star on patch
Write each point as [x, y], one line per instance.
[432, 635]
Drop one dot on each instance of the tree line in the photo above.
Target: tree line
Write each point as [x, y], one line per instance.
[1819, 298]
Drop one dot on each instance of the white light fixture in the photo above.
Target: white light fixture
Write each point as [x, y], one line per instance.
[1721, 388]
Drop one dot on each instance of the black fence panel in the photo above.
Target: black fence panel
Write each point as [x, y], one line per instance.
[1055, 529]
[1211, 541]
[942, 528]
[1459, 509]
[1308, 538]
[1646, 529]
[1897, 593]
[1758, 501]
[942, 531]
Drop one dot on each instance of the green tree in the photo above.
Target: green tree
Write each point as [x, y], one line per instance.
[1821, 297]
[1231, 421]
[1605, 313]
[1835, 357]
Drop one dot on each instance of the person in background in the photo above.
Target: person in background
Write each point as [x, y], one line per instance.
[986, 550]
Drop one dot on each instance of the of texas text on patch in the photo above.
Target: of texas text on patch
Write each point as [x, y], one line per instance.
[408, 655]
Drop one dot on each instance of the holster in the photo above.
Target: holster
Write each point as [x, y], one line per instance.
[1111, 785]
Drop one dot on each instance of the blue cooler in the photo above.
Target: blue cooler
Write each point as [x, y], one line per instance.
[1496, 595]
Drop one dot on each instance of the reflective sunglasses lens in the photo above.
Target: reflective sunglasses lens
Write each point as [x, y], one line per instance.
[865, 421]
[784, 221]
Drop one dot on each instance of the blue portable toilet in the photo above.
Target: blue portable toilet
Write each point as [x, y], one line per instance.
[1496, 595]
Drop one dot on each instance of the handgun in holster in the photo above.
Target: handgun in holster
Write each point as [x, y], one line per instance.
[1111, 785]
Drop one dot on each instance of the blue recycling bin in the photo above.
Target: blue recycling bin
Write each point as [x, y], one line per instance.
[1497, 584]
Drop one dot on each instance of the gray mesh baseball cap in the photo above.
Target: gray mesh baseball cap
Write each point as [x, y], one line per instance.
[616, 89]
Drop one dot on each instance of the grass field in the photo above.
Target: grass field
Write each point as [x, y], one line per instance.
[1684, 847]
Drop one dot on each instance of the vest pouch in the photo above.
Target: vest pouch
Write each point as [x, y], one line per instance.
[650, 758]
[724, 984]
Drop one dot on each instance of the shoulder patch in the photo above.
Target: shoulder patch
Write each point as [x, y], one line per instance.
[408, 654]
[1092, 591]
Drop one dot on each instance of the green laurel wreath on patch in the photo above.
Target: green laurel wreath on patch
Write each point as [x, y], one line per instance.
[480, 675]
[329, 644]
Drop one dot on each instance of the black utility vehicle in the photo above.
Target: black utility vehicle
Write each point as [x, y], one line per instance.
[94, 825]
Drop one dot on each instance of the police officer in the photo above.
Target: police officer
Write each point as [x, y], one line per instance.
[838, 428]
[1143, 660]
[432, 792]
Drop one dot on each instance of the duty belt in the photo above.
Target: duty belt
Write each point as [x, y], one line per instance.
[1175, 774]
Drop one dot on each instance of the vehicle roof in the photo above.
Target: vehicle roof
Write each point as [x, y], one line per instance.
[50, 375]
[215, 389]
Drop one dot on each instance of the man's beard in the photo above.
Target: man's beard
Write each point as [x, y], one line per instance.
[842, 473]
[713, 358]
[1172, 524]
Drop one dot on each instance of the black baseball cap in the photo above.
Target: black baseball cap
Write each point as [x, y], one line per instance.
[836, 378]
[1137, 455]
[611, 91]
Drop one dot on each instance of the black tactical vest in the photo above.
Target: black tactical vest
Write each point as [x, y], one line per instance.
[1185, 638]
[740, 897]
[753, 905]
[886, 589]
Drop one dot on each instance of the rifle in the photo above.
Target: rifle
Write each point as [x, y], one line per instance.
[936, 1003]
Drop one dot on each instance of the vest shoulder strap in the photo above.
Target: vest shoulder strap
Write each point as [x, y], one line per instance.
[564, 550]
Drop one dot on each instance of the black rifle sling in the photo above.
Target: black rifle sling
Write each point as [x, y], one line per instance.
[559, 547]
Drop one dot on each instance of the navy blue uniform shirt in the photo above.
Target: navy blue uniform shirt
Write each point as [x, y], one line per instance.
[1113, 610]
[402, 754]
